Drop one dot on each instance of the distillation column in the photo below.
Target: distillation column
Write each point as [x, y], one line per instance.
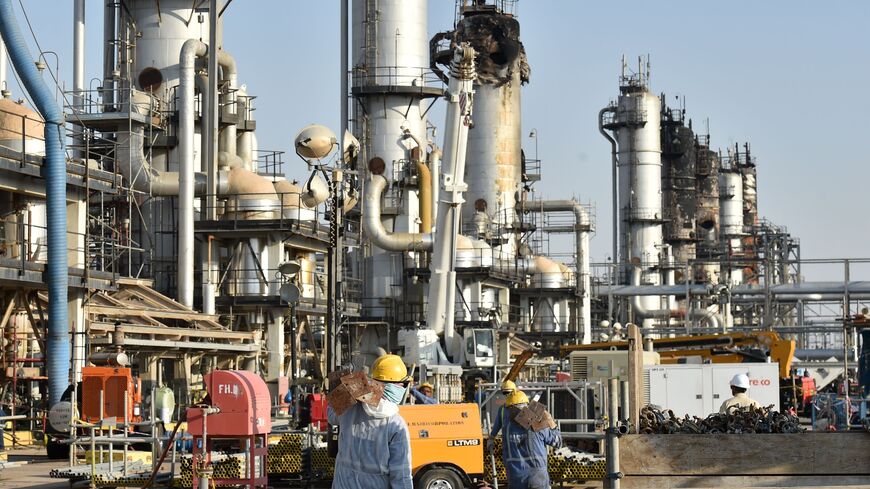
[390, 59]
[731, 215]
[494, 170]
[639, 155]
[678, 188]
[707, 187]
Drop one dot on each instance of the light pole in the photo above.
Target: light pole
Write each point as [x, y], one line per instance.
[534, 135]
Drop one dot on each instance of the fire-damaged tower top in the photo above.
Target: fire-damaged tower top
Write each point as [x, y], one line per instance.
[494, 171]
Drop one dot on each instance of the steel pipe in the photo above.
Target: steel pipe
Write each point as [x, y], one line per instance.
[374, 227]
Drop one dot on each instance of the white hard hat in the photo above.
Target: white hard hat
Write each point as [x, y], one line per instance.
[740, 380]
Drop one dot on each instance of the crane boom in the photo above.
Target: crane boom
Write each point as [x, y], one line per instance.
[718, 348]
[442, 284]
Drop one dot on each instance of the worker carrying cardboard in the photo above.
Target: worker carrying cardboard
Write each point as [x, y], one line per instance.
[374, 447]
[524, 448]
[425, 394]
[739, 399]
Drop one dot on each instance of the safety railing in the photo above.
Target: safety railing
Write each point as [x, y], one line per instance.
[270, 163]
[21, 135]
[409, 77]
[287, 208]
[507, 7]
[531, 169]
[24, 241]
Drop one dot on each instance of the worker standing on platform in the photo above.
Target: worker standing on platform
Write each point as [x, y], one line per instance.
[425, 394]
[374, 447]
[524, 451]
[739, 399]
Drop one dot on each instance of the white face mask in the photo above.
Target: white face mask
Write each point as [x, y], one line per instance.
[384, 409]
[394, 393]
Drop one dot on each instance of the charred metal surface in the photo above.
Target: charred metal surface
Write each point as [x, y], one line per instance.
[678, 185]
[707, 213]
[496, 38]
[750, 212]
[736, 420]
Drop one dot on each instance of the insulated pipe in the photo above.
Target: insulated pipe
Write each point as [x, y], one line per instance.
[227, 137]
[424, 181]
[3, 65]
[78, 70]
[642, 312]
[57, 356]
[244, 145]
[435, 177]
[133, 165]
[109, 54]
[614, 180]
[344, 58]
[374, 227]
[186, 98]
[424, 185]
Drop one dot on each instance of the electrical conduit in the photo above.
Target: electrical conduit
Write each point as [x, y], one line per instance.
[57, 355]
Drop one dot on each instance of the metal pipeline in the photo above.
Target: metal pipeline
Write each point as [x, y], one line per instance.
[435, 177]
[133, 165]
[2, 65]
[424, 184]
[187, 177]
[582, 228]
[424, 181]
[715, 320]
[374, 228]
[57, 356]
[186, 98]
[614, 180]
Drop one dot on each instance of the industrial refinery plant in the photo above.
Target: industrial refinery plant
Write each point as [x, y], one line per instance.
[183, 307]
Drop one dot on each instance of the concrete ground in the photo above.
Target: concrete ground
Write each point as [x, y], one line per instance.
[29, 467]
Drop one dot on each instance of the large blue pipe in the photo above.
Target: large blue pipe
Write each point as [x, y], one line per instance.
[58, 343]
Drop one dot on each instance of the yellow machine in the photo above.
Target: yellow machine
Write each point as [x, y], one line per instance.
[716, 348]
[446, 444]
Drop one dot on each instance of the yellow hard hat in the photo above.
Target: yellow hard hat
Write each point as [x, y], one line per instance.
[516, 397]
[390, 368]
[427, 384]
[508, 385]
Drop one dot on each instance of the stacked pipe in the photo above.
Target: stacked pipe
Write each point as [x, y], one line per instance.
[736, 421]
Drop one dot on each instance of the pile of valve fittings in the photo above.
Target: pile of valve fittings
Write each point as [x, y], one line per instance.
[735, 421]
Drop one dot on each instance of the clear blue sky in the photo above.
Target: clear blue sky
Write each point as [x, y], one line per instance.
[788, 76]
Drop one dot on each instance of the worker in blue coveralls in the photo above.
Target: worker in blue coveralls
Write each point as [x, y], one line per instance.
[425, 394]
[374, 446]
[524, 451]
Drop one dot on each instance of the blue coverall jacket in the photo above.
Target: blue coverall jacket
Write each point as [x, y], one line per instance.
[524, 452]
[423, 398]
[373, 452]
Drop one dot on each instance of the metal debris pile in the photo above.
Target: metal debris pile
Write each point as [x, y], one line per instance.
[737, 420]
